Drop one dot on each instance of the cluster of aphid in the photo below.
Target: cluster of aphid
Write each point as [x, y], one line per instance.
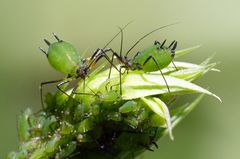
[65, 58]
[119, 121]
[84, 123]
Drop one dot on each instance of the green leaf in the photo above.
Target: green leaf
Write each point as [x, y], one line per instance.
[182, 52]
[184, 111]
[23, 125]
[141, 85]
[179, 114]
[192, 73]
[160, 108]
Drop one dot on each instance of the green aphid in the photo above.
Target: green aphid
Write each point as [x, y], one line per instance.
[127, 107]
[114, 116]
[49, 125]
[84, 138]
[66, 128]
[153, 58]
[17, 155]
[24, 125]
[85, 125]
[109, 97]
[67, 150]
[65, 58]
[131, 121]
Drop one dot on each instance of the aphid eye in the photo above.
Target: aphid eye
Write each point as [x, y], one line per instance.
[139, 67]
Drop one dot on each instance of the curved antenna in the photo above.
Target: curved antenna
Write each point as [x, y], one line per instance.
[117, 34]
[139, 40]
[121, 45]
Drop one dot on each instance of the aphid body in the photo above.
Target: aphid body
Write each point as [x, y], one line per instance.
[64, 57]
[154, 58]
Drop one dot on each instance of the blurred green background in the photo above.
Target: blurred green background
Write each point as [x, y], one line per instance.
[211, 131]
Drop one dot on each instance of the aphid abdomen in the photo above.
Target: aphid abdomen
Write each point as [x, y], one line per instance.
[63, 57]
[163, 58]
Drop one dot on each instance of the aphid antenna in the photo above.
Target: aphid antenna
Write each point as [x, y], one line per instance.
[121, 44]
[47, 42]
[41, 49]
[117, 34]
[56, 37]
[143, 37]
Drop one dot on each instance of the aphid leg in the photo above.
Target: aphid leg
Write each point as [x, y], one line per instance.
[120, 77]
[41, 86]
[109, 73]
[73, 155]
[102, 53]
[94, 54]
[153, 138]
[98, 54]
[146, 147]
[155, 144]
[174, 65]
[173, 53]
[83, 93]
[110, 70]
[138, 53]
[113, 54]
[60, 89]
[151, 57]
[163, 43]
